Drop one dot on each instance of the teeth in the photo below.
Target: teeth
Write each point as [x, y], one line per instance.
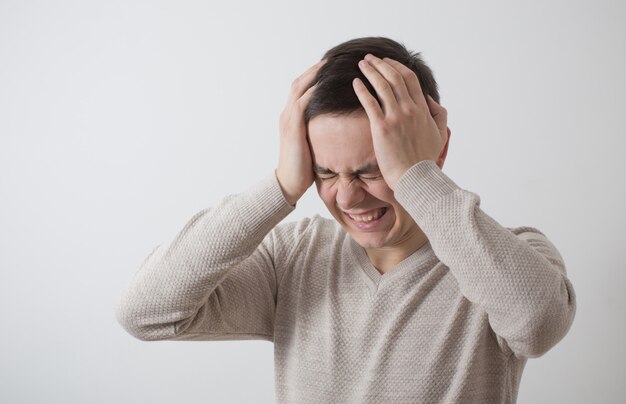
[370, 217]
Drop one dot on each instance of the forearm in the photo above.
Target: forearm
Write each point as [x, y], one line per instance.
[176, 279]
[520, 280]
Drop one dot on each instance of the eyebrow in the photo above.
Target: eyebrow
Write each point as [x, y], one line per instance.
[367, 169]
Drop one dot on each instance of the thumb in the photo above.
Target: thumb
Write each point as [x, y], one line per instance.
[439, 113]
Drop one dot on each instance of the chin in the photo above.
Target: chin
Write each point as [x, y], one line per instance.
[368, 240]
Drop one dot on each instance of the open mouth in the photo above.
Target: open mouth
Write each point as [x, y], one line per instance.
[368, 217]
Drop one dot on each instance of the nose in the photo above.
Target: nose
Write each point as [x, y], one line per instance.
[349, 193]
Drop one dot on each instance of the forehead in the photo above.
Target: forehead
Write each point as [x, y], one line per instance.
[341, 142]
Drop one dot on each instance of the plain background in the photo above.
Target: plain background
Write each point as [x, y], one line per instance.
[119, 120]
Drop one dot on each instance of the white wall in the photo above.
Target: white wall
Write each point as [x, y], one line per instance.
[121, 119]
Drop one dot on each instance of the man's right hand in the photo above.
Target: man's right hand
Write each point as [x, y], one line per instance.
[295, 168]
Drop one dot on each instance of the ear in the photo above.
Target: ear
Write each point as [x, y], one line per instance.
[444, 152]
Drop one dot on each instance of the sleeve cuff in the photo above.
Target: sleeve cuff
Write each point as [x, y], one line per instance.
[421, 186]
[264, 205]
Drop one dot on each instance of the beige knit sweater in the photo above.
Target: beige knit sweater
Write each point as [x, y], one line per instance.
[453, 323]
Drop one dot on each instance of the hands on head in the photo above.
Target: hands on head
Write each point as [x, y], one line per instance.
[406, 129]
[295, 167]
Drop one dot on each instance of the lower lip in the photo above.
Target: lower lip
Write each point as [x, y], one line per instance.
[372, 225]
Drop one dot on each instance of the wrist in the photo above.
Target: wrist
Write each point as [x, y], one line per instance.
[290, 197]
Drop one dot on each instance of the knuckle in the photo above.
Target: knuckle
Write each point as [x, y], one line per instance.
[410, 109]
[423, 109]
[386, 85]
[296, 82]
[381, 127]
[393, 120]
[370, 103]
[411, 77]
[410, 74]
[300, 104]
[396, 77]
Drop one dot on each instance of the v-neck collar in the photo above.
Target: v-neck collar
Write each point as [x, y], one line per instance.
[420, 260]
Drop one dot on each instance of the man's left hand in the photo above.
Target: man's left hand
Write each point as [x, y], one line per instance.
[407, 128]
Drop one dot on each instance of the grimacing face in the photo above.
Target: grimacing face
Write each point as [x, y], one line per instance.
[352, 187]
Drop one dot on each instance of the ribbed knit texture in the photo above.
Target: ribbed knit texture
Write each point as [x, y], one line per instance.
[453, 323]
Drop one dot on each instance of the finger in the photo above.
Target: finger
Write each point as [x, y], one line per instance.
[303, 82]
[393, 77]
[304, 99]
[295, 111]
[439, 114]
[368, 101]
[381, 86]
[411, 80]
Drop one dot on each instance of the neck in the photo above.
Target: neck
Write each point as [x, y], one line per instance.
[386, 258]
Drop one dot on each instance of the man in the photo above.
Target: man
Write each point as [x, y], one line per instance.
[411, 295]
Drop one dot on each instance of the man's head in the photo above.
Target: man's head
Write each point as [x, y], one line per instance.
[346, 169]
[334, 93]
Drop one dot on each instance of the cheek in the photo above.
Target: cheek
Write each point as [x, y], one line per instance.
[381, 191]
[326, 194]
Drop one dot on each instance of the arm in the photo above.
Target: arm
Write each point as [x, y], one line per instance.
[517, 276]
[215, 279]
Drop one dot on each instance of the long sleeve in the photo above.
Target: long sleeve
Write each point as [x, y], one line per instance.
[516, 275]
[216, 279]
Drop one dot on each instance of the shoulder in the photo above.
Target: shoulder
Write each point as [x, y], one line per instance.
[529, 234]
[539, 242]
[312, 236]
[309, 228]
[304, 243]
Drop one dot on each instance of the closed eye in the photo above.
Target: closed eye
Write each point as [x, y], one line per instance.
[370, 177]
[368, 173]
[325, 176]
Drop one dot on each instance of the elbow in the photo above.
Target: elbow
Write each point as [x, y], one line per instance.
[546, 330]
[137, 321]
[545, 338]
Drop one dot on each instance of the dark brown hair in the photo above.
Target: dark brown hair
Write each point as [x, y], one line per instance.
[334, 93]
